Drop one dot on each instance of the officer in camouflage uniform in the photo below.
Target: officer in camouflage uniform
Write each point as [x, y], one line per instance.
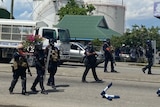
[53, 63]
[19, 69]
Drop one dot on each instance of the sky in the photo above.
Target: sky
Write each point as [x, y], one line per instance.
[139, 12]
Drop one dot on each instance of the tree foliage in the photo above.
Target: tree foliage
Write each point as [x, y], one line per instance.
[97, 44]
[72, 8]
[138, 36]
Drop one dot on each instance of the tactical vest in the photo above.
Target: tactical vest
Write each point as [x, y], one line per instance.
[54, 55]
[21, 62]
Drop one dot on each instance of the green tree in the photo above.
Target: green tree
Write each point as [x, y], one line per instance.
[138, 36]
[72, 8]
[90, 8]
[97, 44]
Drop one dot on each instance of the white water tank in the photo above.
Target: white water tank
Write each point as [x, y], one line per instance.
[114, 12]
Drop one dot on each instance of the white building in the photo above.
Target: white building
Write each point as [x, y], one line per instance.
[114, 12]
[2, 5]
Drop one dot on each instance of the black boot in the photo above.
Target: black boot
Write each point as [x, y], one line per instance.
[143, 69]
[34, 89]
[13, 83]
[84, 81]
[11, 90]
[149, 71]
[44, 92]
[25, 93]
[24, 85]
[113, 70]
[42, 87]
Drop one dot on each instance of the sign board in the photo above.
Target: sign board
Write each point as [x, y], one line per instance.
[156, 9]
[8, 44]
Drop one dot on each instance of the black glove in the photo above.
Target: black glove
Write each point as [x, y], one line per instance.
[29, 72]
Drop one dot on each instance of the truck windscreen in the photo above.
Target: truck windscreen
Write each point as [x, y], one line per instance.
[49, 33]
[64, 35]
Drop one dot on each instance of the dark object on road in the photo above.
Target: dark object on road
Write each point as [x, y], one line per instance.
[158, 92]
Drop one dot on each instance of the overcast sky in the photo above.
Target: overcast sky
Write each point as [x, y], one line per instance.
[138, 12]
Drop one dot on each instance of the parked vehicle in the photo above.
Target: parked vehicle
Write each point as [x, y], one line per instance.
[13, 32]
[124, 57]
[77, 51]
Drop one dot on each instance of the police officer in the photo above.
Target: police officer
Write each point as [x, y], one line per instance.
[19, 69]
[40, 68]
[108, 56]
[149, 55]
[90, 62]
[53, 62]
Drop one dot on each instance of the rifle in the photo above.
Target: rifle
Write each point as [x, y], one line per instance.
[29, 71]
[13, 69]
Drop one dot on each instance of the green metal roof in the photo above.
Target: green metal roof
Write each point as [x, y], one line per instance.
[4, 14]
[83, 27]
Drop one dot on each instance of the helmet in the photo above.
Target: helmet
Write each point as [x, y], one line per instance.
[90, 43]
[38, 46]
[51, 41]
[108, 41]
[148, 42]
[123, 44]
[20, 46]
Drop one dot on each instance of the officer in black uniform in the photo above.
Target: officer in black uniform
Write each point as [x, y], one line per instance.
[108, 56]
[53, 62]
[19, 69]
[90, 62]
[149, 55]
[40, 68]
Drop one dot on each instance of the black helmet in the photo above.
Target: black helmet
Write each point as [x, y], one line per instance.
[108, 41]
[38, 46]
[51, 42]
[149, 43]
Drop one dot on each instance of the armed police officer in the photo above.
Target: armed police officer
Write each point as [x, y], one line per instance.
[40, 68]
[90, 62]
[149, 55]
[108, 55]
[19, 69]
[53, 62]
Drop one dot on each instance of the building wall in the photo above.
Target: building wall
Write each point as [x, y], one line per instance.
[46, 11]
[114, 15]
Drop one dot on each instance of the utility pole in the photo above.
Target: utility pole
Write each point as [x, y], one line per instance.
[122, 2]
[12, 6]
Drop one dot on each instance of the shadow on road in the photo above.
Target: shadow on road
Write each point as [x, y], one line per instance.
[11, 106]
[72, 65]
[55, 90]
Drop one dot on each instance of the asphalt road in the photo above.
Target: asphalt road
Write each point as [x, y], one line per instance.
[134, 88]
